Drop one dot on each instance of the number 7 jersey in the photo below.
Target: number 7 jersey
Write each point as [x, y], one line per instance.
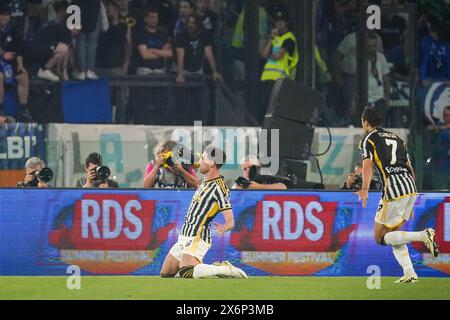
[389, 155]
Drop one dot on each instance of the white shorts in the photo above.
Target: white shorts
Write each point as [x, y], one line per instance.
[193, 246]
[394, 213]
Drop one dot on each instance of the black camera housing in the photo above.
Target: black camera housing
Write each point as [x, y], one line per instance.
[43, 175]
[102, 173]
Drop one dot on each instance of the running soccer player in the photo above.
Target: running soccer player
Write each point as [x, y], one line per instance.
[185, 258]
[399, 192]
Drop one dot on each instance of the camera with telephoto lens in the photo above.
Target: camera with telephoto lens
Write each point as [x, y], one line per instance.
[358, 182]
[44, 175]
[375, 184]
[102, 173]
[179, 155]
[256, 176]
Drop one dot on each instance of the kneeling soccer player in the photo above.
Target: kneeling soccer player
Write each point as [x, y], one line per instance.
[185, 258]
[399, 192]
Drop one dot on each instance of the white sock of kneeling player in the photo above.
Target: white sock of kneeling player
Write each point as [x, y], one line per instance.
[396, 238]
[402, 255]
[206, 270]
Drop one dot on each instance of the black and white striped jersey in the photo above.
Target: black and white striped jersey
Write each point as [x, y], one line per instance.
[391, 160]
[211, 197]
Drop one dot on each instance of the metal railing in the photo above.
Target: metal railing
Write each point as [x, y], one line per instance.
[159, 100]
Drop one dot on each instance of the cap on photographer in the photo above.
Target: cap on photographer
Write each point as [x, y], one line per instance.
[96, 174]
[166, 172]
[36, 174]
[245, 181]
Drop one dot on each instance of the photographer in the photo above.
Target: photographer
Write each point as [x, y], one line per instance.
[245, 182]
[33, 179]
[96, 174]
[164, 173]
[354, 180]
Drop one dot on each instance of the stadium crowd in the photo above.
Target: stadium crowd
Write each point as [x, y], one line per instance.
[182, 37]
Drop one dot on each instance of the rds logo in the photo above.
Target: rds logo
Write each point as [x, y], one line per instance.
[108, 233]
[290, 235]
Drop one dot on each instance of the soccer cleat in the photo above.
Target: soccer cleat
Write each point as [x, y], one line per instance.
[430, 243]
[408, 279]
[235, 271]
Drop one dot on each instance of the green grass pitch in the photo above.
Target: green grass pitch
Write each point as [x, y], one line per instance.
[254, 288]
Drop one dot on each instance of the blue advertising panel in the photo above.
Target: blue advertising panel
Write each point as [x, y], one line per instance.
[20, 141]
[42, 232]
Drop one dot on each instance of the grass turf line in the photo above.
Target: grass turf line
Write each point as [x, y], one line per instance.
[255, 288]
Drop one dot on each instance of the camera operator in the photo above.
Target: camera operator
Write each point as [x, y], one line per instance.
[32, 178]
[96, 174]
[245, 182]
[354, 180]
[163, 172]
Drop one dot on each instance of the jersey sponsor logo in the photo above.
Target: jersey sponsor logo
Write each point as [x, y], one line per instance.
[108, 233]
[396, 169]
[288, 226]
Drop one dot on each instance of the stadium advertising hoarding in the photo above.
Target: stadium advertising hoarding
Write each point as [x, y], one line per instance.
[127, 150]
[42, 232]
[18, 142]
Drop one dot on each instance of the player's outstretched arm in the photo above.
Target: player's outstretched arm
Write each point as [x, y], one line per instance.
[367, 173]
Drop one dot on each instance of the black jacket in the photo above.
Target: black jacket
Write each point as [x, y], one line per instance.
[90, 13]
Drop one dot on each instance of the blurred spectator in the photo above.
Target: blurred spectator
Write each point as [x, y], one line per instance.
[274, 7]
[354, 180]
[91, 180]
[392, 29]
[244, 182]
[282, 56]
[159, 174]
[238, 39]
[379, 82]
[87, 41]
[35, 14]
[344, 71]
[164, 8]
[114, 45]
[438, 147]
[19, 14]
[48, 48]
[132, 17]
[47, 7]
[31, 180]
[209, 17]
[192, 47]
[5, 118]
[185, 9]
[335, 20]
[400, 59]
[434, 56]
[11, 65]
[153, 45]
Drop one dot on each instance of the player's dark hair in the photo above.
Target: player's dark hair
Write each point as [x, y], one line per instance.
[60, 6]
[94, 158]
[372, 116]
[216, 154]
